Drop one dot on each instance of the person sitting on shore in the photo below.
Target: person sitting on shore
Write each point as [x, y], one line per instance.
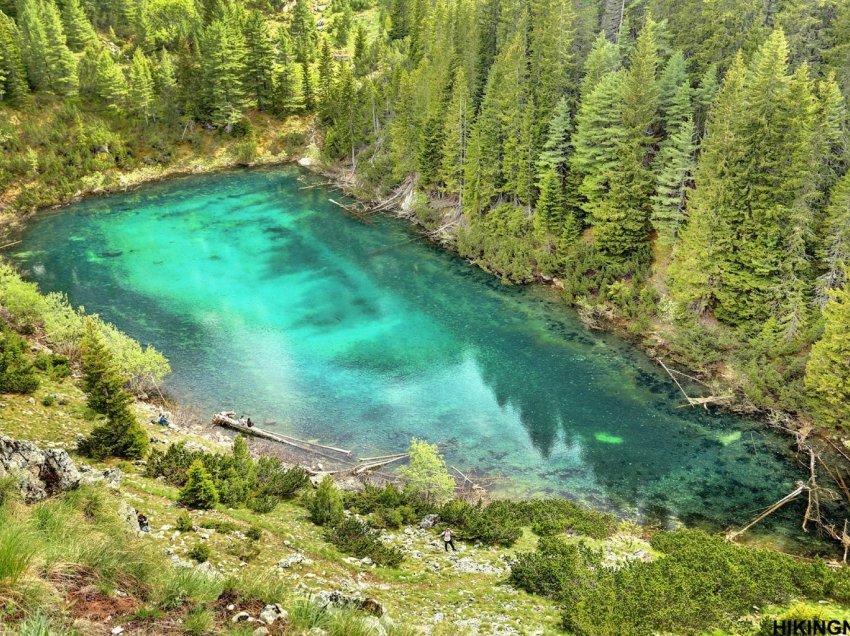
[249, 423]
[243, 420]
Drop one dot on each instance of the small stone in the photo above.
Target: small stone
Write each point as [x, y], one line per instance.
[241, 617]
[231, 607]
[272, 613]
[260, 631]
[117, 630]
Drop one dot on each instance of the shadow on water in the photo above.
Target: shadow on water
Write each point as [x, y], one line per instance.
[269, 300]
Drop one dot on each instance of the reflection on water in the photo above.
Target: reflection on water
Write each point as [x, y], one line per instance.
[271, 301]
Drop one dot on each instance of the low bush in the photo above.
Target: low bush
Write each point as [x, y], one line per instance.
[357, 538]
[222, 527]
[199, 490]
[184, 523]
[55, 366]
[325, 504]
[17, 373]
[200, 552]
[658, 596]
[254, 533]
[238, 479]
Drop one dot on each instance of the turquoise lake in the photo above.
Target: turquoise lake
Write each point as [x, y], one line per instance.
[270, 300]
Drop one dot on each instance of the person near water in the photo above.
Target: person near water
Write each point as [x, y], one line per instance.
[163, 421]
[144, 526]
[249, 422]
[448, 540]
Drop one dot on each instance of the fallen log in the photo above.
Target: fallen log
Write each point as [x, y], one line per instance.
[224, 420]
[791, 496]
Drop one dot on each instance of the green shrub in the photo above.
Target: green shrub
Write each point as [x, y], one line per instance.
[55, 366]
[222, 527]
[17, 373]
[426, 475]
[184, 522]
[358, 539]
[48, 400]
[200, 552]
[658, 596]
[254, 533]
[262, 504]
[325, 504]
[199, 491]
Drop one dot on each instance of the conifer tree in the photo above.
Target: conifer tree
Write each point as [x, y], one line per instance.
[120, 435]
[110, 84]
[78, 29]
[307, 92]
[259, 61]
[603, 58]
[222, 72]
[458, 121]
[828, 369]
[836, 243]
[17, 373]
[704, 95]
[61, 63]
[141, 86]
[13, 78]
[326, 79]
[556, 211]
[598, 137]
[674, 167]
[199, 491]
[302, 28]
[360, 49]
[165, 84]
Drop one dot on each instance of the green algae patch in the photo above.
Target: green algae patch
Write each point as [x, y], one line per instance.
[607, 438]
[728, 439]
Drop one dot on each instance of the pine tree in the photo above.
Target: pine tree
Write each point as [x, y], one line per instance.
[704, 95]
[110, 84]
[360, 49]
[621, 221]
[50, 64]
[828, 369]
[141, 86]
[674, 166]
[325, 505]
[598, 137]
[675, 93]
[555, 215]
[61, 63]
[17, 373]
[199, 491]
[456, 134]
[120, 435]
[13, 78]
[307, 92]
[77, 26]
[302, 28]
[836, 243]
[259, 61]
[326, 79]
[697, 269]
[604, 58]
[165, 85]
[222, 72]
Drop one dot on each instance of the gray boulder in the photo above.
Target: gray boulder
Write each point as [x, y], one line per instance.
[339, 599]
[429, 521]
[40, 473]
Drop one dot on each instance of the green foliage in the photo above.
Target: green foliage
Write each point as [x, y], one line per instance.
[55, 366]
[200, 552]
[325, 504]
[238, 479]
[358, 539]
[828, 372]
[501, 242]
[658, 596]
[199, 491]
[184, 523]
[17, 372]
[426, 475]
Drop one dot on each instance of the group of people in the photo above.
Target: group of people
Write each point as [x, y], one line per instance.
[246, 421]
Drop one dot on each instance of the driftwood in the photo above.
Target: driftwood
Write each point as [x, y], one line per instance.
[697, 401]
[3, 247]
[791, 496]
[379, 464]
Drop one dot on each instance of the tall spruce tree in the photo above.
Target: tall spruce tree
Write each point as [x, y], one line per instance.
[13, 77]
[456, 134]
[302, 28]
[222, 72]
[109, 82]
[259, 61]
[828, 369]
[78, 29]
[141, 86]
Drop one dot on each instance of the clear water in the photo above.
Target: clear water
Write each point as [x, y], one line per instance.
[270, 300]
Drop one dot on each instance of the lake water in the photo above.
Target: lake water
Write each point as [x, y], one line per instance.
[270, 300]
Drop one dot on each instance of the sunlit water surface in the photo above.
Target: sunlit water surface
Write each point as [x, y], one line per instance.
[270, 300]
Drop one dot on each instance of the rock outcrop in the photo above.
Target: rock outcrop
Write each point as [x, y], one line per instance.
[39, 473]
